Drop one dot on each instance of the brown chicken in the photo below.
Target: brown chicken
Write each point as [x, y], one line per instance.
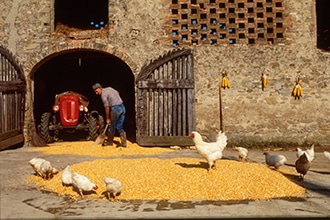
[302, 166]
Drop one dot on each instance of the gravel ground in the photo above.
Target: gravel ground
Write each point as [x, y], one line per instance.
[19, 200]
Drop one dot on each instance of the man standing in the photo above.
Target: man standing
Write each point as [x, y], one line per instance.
[114, 112]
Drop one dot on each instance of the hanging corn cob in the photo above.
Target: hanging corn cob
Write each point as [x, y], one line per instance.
[225, 81]
[264, 81]
[297, 91]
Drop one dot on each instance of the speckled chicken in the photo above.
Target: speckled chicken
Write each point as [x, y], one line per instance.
[309, 153]
[302, 165]
[82, 183]
[113, 187]
[211, 151]
[66, 176]
[274, 160]
[242, 153]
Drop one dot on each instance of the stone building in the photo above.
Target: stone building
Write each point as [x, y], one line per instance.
[167, 58]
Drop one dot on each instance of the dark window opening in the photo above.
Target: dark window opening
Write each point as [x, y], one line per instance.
[213, 10]
[323, 24]
[268, 9]
[203, 36]
[174, 1]
[278, 4]
[261, 35]
[279, 14]
[184, 16]
[251, 40]
[85, 14]
[279, 35]
[184, 6]
[222, 15]
[193, 11]
[241, 25]
[203, 16]
[250, 10]
[222, 5]
[260, 15]
[241, 36]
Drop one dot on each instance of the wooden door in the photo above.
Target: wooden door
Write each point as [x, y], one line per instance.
[12, 100]
[165, 100]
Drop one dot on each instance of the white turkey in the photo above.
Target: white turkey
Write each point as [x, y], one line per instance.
[113, 187]
[274, 160]
[82, 183]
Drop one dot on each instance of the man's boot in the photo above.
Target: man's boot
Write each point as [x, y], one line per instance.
[109, 141]
[123, 139]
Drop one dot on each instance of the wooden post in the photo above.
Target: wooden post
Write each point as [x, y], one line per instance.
[222, 127]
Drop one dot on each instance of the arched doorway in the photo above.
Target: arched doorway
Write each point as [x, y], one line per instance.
[77, 70]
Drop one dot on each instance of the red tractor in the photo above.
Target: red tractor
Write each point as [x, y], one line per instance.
[70, 114]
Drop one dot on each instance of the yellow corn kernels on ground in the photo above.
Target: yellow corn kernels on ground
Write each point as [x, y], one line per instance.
[87, 148]
[183, 179]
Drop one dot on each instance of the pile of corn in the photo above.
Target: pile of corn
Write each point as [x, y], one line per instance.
[87, 148]
[183, 179]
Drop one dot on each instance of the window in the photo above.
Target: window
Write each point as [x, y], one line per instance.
[82, 14]
[323, 24]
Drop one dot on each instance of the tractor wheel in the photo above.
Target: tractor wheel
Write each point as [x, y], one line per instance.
[92, 128]
[46, 134]
[101, 124]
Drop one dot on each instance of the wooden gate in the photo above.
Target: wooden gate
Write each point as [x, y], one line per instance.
[12, 100]
[165, 100]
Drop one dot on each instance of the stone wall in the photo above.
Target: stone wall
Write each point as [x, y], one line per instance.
[137, 34]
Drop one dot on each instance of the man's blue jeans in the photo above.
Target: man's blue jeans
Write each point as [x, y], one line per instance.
[117, 117]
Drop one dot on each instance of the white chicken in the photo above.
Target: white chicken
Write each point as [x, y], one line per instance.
[66, 176]
[211, 151]
[327, 154]
[47, 170]
[36, 165]
[242, 153]
[113, 187]
[82, 183]
[309, 153]
[302, 165]
[274, 160]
